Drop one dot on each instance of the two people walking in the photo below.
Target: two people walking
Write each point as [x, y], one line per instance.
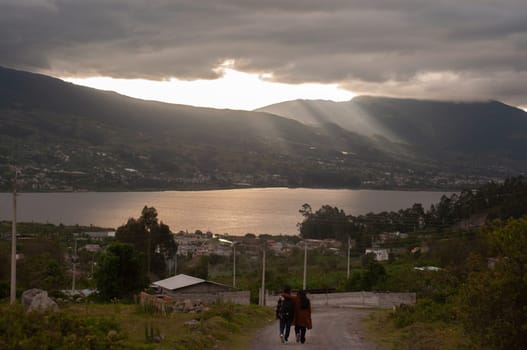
[294, 310]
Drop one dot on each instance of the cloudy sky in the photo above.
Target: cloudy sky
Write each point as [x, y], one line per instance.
[248, 53]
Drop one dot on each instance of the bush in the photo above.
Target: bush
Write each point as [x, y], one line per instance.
[194, 342]
[57, 330]
[492, 301]
[4, 290]
[423, 336]
[373, 278]
[425, 310]
[220, 328]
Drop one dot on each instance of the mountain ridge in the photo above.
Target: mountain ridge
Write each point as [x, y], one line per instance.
[417, 122]
[191, 146]
[69, 137]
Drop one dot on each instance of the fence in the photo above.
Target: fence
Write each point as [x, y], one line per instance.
[354, 299]
[185, 302]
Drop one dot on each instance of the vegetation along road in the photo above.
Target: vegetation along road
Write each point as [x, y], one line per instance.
[333, 328]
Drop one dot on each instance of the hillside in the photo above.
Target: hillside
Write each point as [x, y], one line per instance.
[66, 137]
[490, 131]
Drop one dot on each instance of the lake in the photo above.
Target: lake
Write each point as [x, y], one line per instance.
[237, 211]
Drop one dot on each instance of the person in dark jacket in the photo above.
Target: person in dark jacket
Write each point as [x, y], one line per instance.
[285, 309]
[302, 316]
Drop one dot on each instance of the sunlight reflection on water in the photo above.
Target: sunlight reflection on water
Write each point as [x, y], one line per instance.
[240, 211]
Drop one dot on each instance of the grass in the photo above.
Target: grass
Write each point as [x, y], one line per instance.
[134, 322]
[380, 328]
[222, 326]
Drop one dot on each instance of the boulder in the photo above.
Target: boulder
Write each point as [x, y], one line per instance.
[188, 305]
[38, 300]
[28, 295]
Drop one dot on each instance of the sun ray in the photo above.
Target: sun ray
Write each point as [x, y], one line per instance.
[234, 90]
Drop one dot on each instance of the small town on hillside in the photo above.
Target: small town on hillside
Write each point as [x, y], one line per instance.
[110, 173]
[206, 243]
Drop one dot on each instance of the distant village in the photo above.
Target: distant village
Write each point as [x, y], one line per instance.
[110, 173]
[206, 243]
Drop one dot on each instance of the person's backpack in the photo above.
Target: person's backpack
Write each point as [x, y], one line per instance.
[278, 310]
[287, 309]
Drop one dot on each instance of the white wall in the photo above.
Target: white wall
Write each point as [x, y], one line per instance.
[358, 299]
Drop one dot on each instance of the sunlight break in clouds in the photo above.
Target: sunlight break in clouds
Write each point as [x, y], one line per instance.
[234, 90]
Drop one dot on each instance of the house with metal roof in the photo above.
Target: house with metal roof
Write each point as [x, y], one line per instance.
[188, 287]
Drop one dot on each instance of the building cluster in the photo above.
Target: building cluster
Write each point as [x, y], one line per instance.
[392, 176]
[204, 244]
[63, 169]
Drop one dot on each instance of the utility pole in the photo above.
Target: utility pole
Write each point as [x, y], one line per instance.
[349, 249]
[305, 265]
[148, 253]
[13, 245]
[233, 245]
[234, 265]
[74, 260]
[262, 292]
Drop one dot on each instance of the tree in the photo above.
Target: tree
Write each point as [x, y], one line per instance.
[152, 238]
[120, 271]
[198, 267]
[326, 222]
[42, 271]
[374, 277]
[492, 301]
[5, 262]
[43, 265]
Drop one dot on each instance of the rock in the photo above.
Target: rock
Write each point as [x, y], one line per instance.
[38, 300]
[113, 335]
[188, 305]
[192, 324]
[41, 302]
[28, 295]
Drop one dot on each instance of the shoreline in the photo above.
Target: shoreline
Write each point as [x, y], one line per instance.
[202, 189]
[260, 210]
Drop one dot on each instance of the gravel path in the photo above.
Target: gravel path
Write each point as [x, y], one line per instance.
[333, 328]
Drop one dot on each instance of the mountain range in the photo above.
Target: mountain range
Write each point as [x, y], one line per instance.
[67, 137]
[440, 129]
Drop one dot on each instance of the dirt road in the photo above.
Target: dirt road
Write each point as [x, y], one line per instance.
[333, 328]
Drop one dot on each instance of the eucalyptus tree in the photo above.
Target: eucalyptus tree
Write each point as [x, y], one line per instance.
[151, 237]
[120, 272]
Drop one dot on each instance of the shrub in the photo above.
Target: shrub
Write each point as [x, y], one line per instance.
[57, 330]
[194, 342]
[425, 310]
[492, 301]
[4, 290]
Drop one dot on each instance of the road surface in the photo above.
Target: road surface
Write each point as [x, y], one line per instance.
[333, 328]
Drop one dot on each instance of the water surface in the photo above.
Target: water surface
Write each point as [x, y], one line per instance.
[238, 211]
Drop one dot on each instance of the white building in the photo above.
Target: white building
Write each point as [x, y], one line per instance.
[380, 254]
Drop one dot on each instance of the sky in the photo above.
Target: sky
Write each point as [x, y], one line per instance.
[245, 54]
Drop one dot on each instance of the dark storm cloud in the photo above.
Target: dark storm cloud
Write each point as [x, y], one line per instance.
[477, 48]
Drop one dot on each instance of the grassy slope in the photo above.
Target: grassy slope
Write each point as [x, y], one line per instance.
[382, 330]
[225, 326]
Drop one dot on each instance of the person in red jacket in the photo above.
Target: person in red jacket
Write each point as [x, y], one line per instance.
[302, 316]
